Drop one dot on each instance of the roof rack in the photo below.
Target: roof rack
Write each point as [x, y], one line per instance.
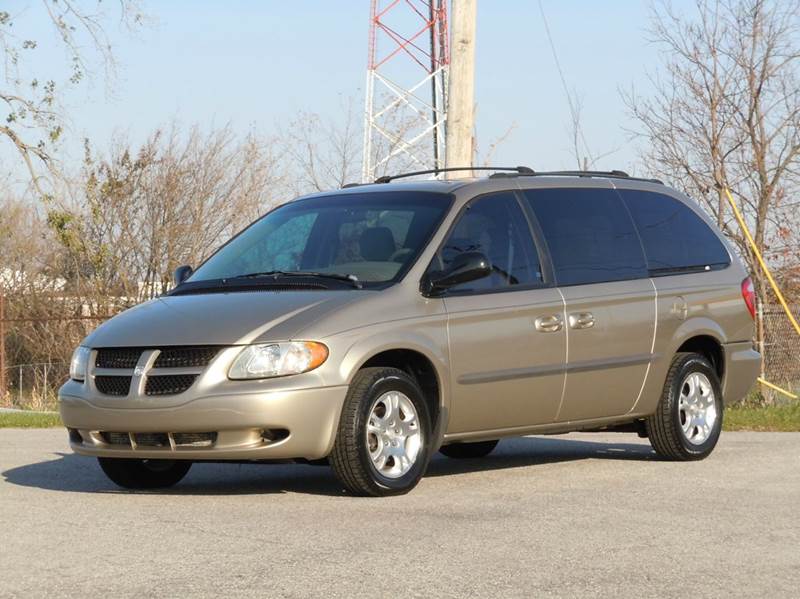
[513, 171]
[605, 174]
[519, 170]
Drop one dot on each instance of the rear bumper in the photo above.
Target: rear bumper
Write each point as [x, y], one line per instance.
[311, 417]
[742, 365]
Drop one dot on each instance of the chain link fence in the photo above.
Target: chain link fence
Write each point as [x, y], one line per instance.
[781, 350]
[34, 386]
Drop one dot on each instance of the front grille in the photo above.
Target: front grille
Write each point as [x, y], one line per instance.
[113, 385]
[146, 440]
[151, 439]
[185, 357]
[194, 439]
[121, 362]
[170, 384]
[122, 357]
[116, 438]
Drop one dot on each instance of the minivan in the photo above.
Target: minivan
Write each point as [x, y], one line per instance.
[371, 326]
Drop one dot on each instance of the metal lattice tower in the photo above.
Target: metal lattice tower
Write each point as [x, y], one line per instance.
[406, 90]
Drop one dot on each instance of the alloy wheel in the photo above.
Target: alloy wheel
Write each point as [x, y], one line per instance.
[697, 408]
[394, 437]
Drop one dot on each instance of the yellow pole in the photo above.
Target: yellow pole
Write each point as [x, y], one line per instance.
[778, 389]
[763, 264]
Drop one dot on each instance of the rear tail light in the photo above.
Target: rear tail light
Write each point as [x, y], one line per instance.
[749, 295]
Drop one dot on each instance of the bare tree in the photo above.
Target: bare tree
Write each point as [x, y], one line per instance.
[113, 238]
[725, 112]
[585, 157]
[140, 213]
[323, 154]
[34, 120]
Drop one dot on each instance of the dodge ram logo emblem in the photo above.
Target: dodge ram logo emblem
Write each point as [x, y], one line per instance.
[138, 371]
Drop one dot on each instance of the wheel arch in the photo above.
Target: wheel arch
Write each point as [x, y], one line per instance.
[703, 336]
[709, 347]
[420, 360]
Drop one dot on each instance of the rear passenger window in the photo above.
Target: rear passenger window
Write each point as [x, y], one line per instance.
[674, 237]
[497, 227]
[590, 235]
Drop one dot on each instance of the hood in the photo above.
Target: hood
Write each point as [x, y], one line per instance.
[218, 318]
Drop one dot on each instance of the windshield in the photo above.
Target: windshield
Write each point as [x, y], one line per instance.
[371, 237]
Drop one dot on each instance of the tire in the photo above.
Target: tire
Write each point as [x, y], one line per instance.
[134, 473]
[370, 401]
[460, 451]
[675, 431]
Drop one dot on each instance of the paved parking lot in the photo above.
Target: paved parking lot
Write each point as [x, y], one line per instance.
[574, 515]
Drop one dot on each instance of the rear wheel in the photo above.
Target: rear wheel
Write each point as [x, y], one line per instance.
[459, 451]
[133, 473]
[382, 445]
[688, 420]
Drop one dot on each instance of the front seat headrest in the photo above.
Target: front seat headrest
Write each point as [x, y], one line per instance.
[377, 244]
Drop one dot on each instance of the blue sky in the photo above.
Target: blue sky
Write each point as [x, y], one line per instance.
[254, 64]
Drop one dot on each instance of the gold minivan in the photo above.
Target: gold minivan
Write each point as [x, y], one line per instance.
[374, 325]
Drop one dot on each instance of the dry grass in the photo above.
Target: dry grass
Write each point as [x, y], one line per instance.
[29, 420]
[785, 417]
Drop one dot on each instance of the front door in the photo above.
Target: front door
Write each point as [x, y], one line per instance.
[506, 331]
[600, 269]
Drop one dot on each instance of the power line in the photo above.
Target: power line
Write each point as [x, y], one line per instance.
[573, 110]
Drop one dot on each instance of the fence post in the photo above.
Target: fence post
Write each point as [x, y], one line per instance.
[761, 335]
[45, 398]
[20, 386]
[3, 385]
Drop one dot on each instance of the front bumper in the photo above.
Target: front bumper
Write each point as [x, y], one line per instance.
[307, 418]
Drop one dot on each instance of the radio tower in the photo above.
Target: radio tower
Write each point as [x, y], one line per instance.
[406, 91]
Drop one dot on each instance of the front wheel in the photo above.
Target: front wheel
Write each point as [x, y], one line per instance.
[382, 445]
[688, 420]
[134, 473]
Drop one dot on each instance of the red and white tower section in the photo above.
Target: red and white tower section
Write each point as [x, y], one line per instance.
[406, 90]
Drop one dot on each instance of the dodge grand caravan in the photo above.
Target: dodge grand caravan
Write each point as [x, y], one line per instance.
[374, 325]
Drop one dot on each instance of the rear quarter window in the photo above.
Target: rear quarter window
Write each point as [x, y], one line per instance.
[674, 237]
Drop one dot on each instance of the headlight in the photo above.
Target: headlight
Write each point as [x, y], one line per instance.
[79, 365]
[277, 359]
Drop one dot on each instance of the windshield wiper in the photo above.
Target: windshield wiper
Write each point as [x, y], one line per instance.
[352, 279]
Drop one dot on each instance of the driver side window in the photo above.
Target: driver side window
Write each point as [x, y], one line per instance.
[496, 227]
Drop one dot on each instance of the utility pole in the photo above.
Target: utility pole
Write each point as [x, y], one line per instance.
[461, 96]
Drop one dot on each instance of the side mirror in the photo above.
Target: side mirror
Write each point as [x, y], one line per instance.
[466, 267]
[181, 274]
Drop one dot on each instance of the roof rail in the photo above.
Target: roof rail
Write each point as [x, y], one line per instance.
[614, 173]
[605, 174]
[520, 170]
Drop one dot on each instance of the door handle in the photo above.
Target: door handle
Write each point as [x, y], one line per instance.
[581, 320]
[549, 324]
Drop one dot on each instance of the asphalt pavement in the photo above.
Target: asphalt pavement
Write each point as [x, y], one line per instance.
[579, 515]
